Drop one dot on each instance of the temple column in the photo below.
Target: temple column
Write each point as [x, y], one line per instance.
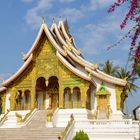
[44, 99]
[119, 100]
[13, 92]
[61, 97]
[33, 90]
[83, 90]
[70, 99]
[3, 98]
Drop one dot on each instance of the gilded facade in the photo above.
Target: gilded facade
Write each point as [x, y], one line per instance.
[55, 75]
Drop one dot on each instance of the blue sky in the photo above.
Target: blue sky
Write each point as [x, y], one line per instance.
[93, 28]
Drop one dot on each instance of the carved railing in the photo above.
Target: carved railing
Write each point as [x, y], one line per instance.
[63, 134]
[21, 119]
[95, 116]
[109, 111]
[4, 117]
[110, 123]
[55, 117]
[50, 113]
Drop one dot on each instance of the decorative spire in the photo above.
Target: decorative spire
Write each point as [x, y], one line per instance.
[80, 50]
[60, 17]
[53, 20]
[43, 20]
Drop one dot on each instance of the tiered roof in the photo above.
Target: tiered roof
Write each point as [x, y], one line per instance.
[67, 53]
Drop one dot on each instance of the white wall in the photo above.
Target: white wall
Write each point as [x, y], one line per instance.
[93, 99]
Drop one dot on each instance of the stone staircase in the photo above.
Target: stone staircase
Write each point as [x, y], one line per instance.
[34, 130]
[39, 120]
[30, 134]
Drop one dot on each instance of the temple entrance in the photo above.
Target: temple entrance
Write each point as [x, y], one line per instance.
[27, 100]
[41, 93]
[72, 100]
[53, 92]
[67, 98]
[76, 97]
[88, 99]
[102, 107]
[103, 103]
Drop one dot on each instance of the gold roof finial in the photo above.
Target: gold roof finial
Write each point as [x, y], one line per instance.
[43, 20]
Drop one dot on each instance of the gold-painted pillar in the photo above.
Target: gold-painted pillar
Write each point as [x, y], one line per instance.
[33, 92]
[13, 93]
[33, 89]
[44, 99]
[83, 90]
[119, 91]
[70, 99]
[61, 97]
[3, 102]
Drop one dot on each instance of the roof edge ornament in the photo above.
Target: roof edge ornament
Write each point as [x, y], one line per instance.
[2, 79]
[43, 20]
[60, 18]
[53, 20]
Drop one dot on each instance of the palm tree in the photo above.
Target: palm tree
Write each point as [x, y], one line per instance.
[109, 68]
[130, 86]
[124, 74]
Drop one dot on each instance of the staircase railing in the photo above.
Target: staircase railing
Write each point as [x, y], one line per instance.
[21, 119]
[4, 117]
[109, 111]
[64, 135]
[54, 117]
[50, 113]
[96, 113]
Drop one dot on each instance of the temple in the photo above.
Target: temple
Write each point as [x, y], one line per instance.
[57, 79]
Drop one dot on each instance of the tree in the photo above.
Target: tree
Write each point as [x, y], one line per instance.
[108, 68]
[133, 14]
[121, 73]
[130, 87]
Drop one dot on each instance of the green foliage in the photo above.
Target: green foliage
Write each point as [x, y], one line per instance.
[121, 73]
[138, 66]
[81, 135]
[109, 68]
[124, 74]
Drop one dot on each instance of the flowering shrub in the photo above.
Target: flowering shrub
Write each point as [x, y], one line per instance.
[81, 135]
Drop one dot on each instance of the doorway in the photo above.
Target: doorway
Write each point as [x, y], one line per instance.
[53, 92]
[41, 93]
[103, 103]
